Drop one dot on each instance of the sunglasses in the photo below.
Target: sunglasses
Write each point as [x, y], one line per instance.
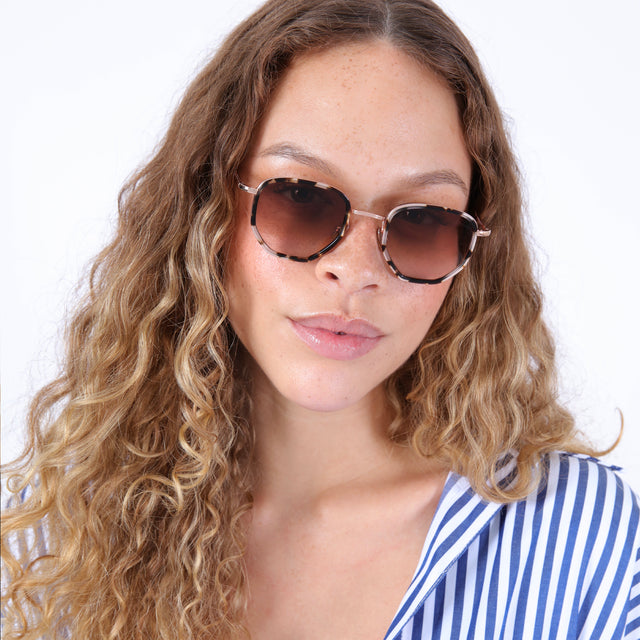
[302, 220]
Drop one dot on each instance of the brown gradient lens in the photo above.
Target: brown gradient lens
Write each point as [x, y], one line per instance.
[299, 218]
[428, 242]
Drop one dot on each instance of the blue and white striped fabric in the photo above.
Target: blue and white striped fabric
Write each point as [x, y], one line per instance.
[563, 564]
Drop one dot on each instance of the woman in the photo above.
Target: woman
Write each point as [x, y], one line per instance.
[282, 397]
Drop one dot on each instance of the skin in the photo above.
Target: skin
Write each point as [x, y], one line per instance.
[340, 513]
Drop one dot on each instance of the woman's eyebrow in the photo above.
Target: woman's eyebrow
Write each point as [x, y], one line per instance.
[439, 176]
[423, 179]
[293, 152]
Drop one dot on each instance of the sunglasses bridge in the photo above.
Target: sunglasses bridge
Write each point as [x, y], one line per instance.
[367, 214]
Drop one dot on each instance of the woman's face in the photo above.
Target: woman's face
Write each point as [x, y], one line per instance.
[371, 121]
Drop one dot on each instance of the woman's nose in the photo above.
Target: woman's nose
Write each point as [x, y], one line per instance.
[356, 262]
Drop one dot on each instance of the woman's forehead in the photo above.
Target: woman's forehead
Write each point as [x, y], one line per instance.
[363, 108]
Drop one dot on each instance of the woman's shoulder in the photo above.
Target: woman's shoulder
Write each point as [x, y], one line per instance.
[583, 527]
[588, 483]
[582, 511]
[582, 495]
[567, 557]
[581, 507]
[583, 524]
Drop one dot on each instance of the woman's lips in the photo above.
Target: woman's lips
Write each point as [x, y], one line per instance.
[336, 338]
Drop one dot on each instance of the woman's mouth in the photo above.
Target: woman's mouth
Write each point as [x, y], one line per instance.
[336, 338]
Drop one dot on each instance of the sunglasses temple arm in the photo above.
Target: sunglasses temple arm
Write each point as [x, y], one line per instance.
[244, 187]
[483, 232]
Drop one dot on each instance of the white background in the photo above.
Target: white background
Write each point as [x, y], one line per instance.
[88, 89]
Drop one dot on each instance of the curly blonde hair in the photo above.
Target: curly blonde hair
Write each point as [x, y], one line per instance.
[137, 469]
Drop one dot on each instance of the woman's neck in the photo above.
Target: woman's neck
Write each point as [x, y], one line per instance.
[302, 454]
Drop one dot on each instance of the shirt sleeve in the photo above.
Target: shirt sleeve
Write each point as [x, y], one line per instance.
[632, 629]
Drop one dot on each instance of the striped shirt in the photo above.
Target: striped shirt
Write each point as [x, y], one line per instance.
[564, 563]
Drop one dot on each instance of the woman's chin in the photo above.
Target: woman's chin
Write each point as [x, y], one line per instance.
[319, 386]
[330, 396]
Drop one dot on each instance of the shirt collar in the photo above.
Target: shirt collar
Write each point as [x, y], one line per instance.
[460, 517]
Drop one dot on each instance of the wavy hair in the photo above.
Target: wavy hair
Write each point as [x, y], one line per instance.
[137, 469]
